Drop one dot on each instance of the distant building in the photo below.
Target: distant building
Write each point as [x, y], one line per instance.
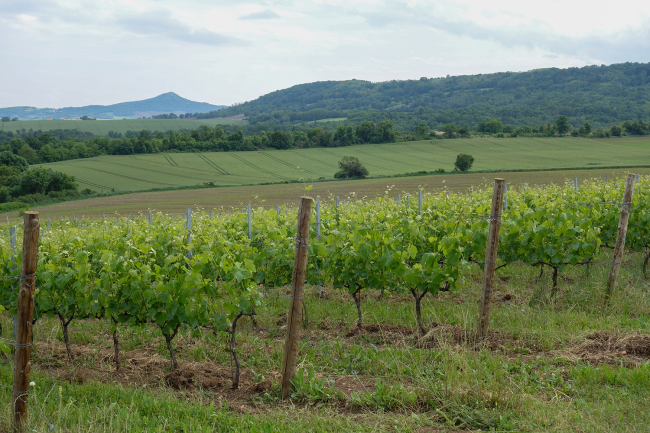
[48, 118]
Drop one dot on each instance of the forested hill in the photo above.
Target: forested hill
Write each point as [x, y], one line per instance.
[602, 95]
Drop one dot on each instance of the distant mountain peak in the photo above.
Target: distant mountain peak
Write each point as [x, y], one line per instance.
[169, 102]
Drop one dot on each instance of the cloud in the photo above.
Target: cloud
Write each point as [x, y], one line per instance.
[161, 23]
[263, 15]
[629, 45]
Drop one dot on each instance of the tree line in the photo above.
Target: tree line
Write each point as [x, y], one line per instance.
[60, 145]
[20, 183]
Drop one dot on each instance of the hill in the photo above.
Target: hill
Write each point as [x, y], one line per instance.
[122, 126]
[166, 103]
[169, 170]
[603, 95]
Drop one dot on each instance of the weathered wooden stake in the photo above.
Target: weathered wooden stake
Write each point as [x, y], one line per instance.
[620, 238]
[419, 202]
[297, 294]
[490, 258]
[25, 315]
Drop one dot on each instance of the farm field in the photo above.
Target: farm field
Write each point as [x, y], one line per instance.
[228, 199]
[144, 172]
[558, 358]
[102, 127]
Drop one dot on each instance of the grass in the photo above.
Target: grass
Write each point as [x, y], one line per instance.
[226, 199]
[550, 364]
[102, 127]
[144, 172]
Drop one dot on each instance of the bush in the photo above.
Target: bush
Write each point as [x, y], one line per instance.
[351, 167]
[463, 162]
[12, 206]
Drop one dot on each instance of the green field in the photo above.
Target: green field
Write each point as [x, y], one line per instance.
[102, 127]
[145, 172]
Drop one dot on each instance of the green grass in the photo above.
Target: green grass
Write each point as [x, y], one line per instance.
[102, 127]
[539, 371]
[144, 172]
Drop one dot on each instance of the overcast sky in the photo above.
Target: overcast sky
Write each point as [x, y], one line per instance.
[82, 52]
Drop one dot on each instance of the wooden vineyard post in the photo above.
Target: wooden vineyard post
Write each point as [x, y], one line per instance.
[25, 315]
[612, 279]
[490, 258]
[297, 294]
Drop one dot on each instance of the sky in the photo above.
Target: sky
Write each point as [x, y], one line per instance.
[60, 53]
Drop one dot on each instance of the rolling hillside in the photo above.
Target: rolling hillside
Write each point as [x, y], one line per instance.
[603, 95]
[102, 127]
[150, 171]
[166, 103]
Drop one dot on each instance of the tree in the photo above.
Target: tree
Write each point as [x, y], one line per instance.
[351, 167]
[279, 140]
[15, 119]
[385, 132]
[6, 119]
[449, 130]
[562, 125]
[8, 158]
[494, 126]
[422, 130]
[365, 131]
[463, 162]
[616, 131]
[587, 127]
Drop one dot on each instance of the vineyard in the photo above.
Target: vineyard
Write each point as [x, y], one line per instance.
[224, 279]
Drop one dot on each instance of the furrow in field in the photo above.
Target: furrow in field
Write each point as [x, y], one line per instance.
[151, 170]
[281, 161]
[124, 176]
[250, 164]
[310, 158]
[372, 164]
[212, 164]
[389, 148]
[93, 184]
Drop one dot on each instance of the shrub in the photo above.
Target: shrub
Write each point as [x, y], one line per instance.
[351, 167]
[463, 162]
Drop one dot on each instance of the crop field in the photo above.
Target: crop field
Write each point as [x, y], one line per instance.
[102, 127]
[138, 328]
[268, 196]
[143, 172]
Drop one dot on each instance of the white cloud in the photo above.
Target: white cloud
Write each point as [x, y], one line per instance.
[80, 52]
[263, 15]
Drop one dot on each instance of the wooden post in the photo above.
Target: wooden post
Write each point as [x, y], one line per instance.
[297, 293]
[620, 238]
[490, 258]
[25, 315]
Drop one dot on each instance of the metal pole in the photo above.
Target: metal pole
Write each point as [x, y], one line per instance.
[318, 220]
[250, 231]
